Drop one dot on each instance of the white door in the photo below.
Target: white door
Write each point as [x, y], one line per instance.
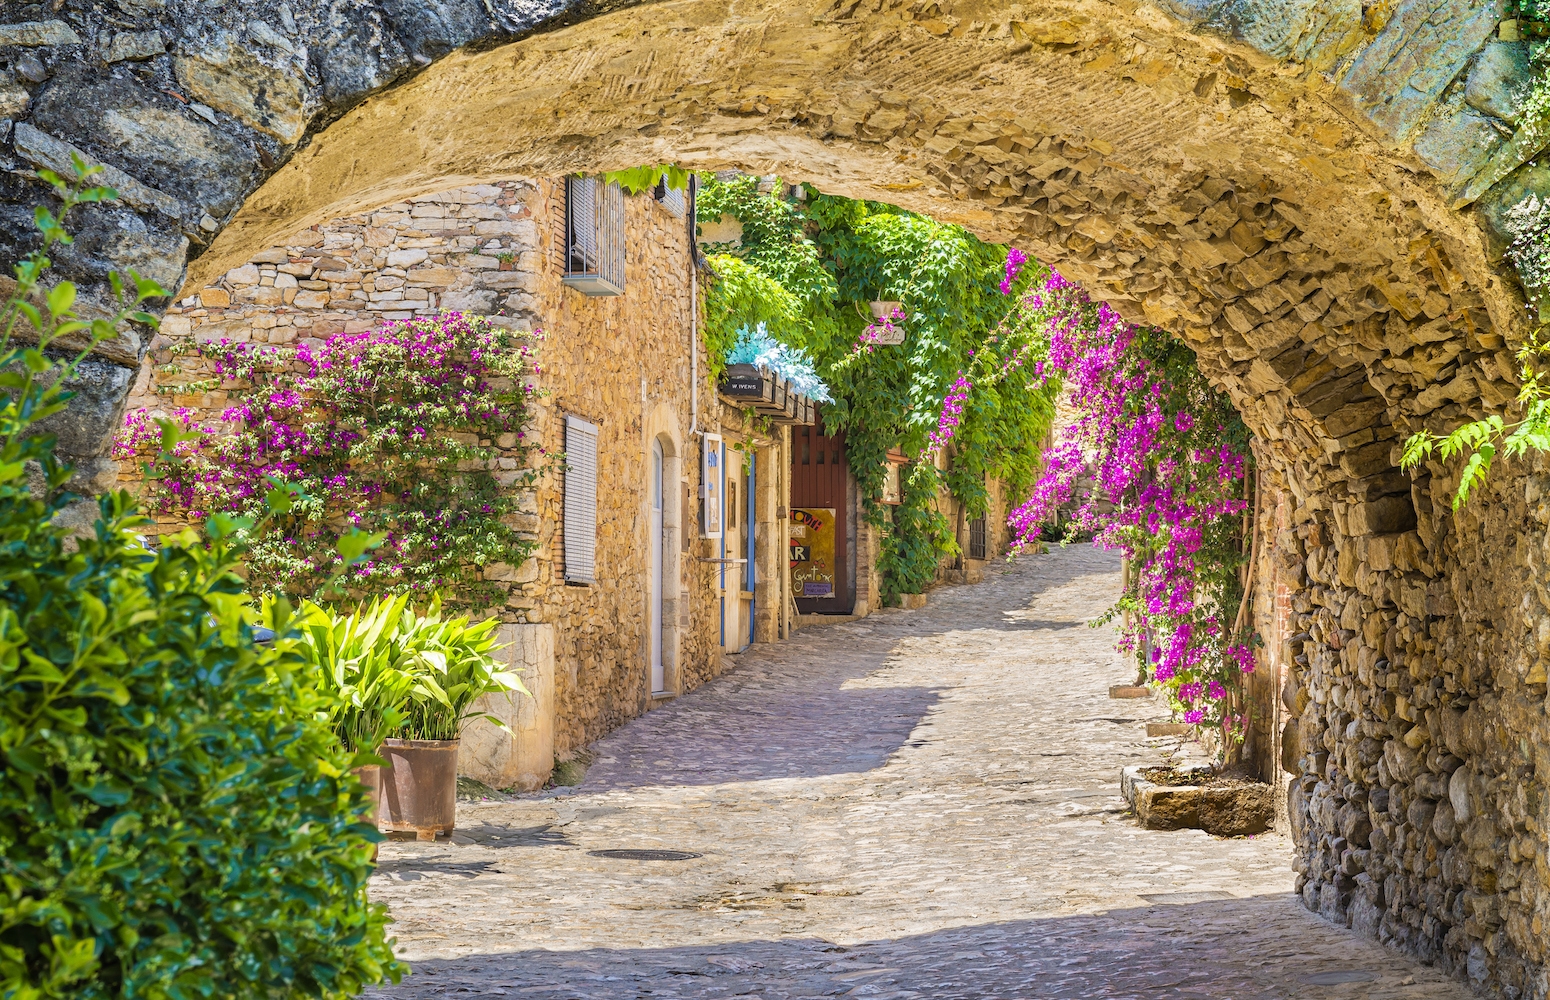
[654, 531]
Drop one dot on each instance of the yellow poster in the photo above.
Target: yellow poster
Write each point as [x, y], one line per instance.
[812, 551]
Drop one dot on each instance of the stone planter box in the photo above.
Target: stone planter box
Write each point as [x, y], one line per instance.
[1200, 800]
[912, 602]
[1129, 691]
[1155, 729]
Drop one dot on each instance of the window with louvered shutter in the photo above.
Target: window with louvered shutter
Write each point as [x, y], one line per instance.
[580, 528]
[594, 236]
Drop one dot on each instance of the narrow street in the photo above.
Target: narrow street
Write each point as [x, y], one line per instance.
[921, 804]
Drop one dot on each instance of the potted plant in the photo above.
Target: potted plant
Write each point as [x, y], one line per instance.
[365, 673]
[453, 666]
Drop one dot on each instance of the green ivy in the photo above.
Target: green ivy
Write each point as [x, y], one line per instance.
[639, 180]
[807, 266]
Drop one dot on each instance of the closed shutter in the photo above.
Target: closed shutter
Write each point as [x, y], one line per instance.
[580, 528]
[582, 212]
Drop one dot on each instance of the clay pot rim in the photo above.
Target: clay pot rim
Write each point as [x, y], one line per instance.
[419, 744]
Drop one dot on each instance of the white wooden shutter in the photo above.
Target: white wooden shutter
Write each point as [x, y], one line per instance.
[582, 210]
[580, 528]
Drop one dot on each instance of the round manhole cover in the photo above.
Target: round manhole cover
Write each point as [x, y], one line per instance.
[632, 855]
[1337, 976]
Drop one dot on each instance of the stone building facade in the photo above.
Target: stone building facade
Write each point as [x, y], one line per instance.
[622, 363]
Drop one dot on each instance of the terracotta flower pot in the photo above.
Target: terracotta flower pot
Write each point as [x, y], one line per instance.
[371, 777]
[419, 786]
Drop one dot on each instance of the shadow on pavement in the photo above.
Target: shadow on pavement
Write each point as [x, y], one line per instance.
[793, 710]
[1261, 948]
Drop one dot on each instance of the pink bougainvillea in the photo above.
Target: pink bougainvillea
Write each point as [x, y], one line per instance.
[1152, 466]
[389, 429]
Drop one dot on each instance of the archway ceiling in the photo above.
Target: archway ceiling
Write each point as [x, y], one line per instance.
[1241, 173]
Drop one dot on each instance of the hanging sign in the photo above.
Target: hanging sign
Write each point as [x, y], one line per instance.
[893, 492]
[812, 551]
[887, 327]
[712, 486]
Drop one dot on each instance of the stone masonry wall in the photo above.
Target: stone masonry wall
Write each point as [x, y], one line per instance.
[1403, 689]
[488, 249]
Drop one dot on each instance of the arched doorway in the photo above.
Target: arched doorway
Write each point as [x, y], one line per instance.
[656, 593]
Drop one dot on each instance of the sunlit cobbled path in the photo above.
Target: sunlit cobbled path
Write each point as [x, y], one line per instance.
[921, 804]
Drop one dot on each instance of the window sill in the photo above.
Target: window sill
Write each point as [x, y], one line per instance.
[593, 285]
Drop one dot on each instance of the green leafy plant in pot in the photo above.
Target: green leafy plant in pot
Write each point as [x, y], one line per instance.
[452, 665]
[364, 674]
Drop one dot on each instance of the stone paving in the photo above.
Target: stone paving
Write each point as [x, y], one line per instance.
[920, 804]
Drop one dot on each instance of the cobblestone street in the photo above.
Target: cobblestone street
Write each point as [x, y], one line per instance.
[920, 804]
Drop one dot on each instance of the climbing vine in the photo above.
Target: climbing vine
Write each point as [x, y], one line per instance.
[1164, 458]
[807, 266]
[400, 430]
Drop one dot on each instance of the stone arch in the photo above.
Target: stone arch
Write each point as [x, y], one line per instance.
[1195, 180]
[1283, 185]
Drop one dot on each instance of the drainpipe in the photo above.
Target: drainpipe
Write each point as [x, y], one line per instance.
[694, 312]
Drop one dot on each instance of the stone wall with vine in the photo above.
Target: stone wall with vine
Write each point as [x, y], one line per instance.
[495, 249]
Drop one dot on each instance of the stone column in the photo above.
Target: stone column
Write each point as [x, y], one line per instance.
[521, 757]
[768, 555]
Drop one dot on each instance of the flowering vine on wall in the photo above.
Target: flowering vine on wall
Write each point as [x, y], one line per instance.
[415, 430]
[1163, 458]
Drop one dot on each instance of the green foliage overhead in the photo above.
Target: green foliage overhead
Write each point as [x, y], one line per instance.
[176, 820]
[807, 266]
[743, 297]
[639, 180]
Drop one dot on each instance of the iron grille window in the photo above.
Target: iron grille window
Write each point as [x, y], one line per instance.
[977, 538]
[594, 236]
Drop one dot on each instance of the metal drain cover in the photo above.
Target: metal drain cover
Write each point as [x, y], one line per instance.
[632, 855]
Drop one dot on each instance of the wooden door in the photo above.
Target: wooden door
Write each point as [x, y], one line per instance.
[818, 556]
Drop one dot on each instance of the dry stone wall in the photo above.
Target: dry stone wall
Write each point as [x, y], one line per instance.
[1403, 690]
[496, 249]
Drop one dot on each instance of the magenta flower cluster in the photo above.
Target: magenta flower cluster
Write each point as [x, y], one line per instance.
[1015, 260]
[952, 412]
[388, 429]
[1147, 479]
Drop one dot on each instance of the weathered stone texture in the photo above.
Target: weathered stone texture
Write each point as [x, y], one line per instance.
[1404, 676]
[496, 249]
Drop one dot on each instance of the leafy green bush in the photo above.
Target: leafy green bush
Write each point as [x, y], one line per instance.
[386, 671]
[175, 819]
[460, 667]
